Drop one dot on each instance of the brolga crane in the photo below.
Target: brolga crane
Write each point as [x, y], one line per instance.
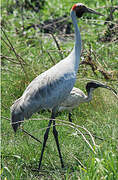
[77, 96]
[49, 89]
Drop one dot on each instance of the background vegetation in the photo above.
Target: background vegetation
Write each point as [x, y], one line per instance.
[35, 36]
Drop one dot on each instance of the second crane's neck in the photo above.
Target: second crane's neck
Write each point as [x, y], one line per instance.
[89, 93]
[77, 46]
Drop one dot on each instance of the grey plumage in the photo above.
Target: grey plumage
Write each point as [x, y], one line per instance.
[46, 91]
[51, 88]
[77, 96]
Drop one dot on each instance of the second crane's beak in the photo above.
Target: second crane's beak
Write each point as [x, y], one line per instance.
[108, 87]
[89, 10]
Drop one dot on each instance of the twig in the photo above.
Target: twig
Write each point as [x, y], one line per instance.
[5, 107]
[72, 125]
[93, 136]
[79, 162]
[58, 46]
[17, 55]
[51, 58]
[9, 59]
[30, 135]
[12, 48]
[5, 118]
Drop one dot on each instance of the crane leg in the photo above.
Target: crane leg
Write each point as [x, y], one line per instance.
[70, 117]
[45, 140]
[55, 133]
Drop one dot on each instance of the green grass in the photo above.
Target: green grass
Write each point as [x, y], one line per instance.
[20, 154]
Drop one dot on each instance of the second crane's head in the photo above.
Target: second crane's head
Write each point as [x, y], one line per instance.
[91, 86]
[80, 9]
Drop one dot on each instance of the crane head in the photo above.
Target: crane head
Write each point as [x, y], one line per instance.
[94, 84]
[80, 9]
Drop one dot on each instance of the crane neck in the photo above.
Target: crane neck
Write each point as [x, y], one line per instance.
[77, 46]
[89, 97]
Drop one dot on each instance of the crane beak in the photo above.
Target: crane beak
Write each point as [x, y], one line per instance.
[89, 10]
[107, 87]
[113, 90]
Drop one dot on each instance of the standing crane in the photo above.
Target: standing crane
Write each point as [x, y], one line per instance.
[49, 89]
[77, 96]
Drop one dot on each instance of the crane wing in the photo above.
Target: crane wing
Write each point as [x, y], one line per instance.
[47, 91]
[73, 100]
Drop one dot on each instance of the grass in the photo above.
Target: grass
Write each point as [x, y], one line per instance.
[20, 154]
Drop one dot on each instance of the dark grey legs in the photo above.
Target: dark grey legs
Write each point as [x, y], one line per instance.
[70, 117]
[55, 133]
[44, 142]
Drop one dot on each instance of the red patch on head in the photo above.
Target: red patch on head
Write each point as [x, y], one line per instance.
[74, 6]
